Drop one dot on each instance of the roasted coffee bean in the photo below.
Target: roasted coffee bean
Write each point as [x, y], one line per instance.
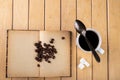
[49, 61]
[51, 42]
[45, 44]
[52, 39]
[40, 47]
[37, 58]
[55, 51]
[38, 65]
[63, 38]
[50, 56]
[36, 44]
[46, 59]
[36, 50]
[40, 55]
[53, 57]
[39, 42]
[40, 59]
[48, 45]
[52, 46]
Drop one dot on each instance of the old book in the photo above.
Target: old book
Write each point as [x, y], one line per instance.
[21, 54]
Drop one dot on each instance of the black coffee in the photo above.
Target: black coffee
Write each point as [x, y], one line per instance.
[92, 37]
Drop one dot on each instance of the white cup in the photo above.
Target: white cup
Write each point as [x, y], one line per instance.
[98, 48]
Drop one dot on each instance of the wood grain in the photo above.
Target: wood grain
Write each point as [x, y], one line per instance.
[19, 79]
[36, 14]
[114, 39]
[52, 15]
[68, 16]
[36, 78]
[20, 12]
[20, 18]
[84, 14]
[52, 19]
[36, 19]
[5, 23]
[99, 22]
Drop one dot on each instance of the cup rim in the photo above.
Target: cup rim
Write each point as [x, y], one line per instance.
[98, 34]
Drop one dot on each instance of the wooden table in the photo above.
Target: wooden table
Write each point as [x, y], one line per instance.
[102, 15]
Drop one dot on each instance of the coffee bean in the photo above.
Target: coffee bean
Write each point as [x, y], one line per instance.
[52, 46]
[52, 39]
[50, 56]
[36, 44]
[36, 50]
[38, 65]
[45, 44]
[46, 59]
[51, 42]
[40, 55]
[63, 38]
[37, 58]
[55, 51]
[40, 46]
[49, 61]
[39, 42]
[40, 59]
[53, 57]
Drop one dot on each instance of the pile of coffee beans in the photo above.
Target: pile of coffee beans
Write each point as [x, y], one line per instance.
[45, 51]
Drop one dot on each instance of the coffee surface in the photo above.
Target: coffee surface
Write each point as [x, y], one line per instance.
[92, 37]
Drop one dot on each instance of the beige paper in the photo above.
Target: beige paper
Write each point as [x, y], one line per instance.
[21, 54]
[60, 66]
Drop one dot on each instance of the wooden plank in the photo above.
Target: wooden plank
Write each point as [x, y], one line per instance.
[36, 19]
[19, 79]
[20, 18]
[5, 23]
[36, 78]
[114, 39]
[52, 19]
[84, 14]
[99, 24]
[52, 14]
[68, 16]
[36, 14]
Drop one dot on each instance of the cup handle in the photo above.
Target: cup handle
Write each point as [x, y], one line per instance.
[101, 51]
